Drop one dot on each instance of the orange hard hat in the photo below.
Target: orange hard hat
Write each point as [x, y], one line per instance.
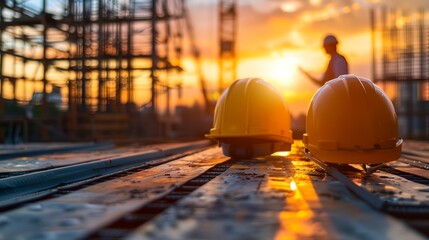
[351, 120]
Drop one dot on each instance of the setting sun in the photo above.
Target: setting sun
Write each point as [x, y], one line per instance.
[282, 68]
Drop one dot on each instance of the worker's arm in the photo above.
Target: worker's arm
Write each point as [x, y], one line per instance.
[337, 66]
[313, 79]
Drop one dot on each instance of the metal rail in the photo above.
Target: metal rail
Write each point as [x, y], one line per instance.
[409, 176]
[75, 186]
[415, 163]
[378, 203]
[130, 221]
[98, 203]
[365, 195]
[14, 153]
[19, 186]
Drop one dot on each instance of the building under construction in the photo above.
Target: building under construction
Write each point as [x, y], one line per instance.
[85, 56]
[401, 65]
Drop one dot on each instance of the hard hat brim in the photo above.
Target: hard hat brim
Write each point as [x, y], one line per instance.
[252, 150]
[370, 156]
[251, 137]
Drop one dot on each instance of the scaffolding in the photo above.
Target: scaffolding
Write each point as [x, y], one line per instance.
[227, 43]
[401, 65]
[95, 50]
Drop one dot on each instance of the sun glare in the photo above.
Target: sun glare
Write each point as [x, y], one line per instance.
[292, 185]
[280, 154]
[290, 7]
[282, 69]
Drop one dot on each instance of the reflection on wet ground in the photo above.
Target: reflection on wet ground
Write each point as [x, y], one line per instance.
[284, 196]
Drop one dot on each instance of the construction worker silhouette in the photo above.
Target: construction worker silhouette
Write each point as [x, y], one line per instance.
[337, 64]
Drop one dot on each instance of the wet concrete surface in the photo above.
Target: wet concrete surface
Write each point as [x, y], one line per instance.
[278, 197]
[273, 198]
[75, 215]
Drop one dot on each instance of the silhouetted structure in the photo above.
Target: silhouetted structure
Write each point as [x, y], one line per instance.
[96, 49]
[227, 43]
[401, 65]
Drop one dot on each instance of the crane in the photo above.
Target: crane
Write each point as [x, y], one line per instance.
[227, 43]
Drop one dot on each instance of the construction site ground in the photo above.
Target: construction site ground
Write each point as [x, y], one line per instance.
[192, 191]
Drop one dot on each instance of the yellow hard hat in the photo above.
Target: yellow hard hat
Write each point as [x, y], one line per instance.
[251, 119]
[351, 120]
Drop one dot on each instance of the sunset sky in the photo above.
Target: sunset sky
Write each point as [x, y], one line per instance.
[276, 36]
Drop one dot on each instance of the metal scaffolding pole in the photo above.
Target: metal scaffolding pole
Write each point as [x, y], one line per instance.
[130, 27]
[44, 60]
[154, 58]
[401, 57]
[96, 49]
[227, 43]
[1, 55]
